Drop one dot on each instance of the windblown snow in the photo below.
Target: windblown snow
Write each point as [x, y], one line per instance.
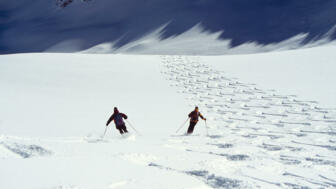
[269, 125]
[207, 43]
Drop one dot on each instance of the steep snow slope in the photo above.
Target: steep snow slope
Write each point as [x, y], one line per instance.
[309, 73]
[74, 94]
[258, 135]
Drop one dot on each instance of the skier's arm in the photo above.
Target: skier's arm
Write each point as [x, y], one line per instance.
[190, 114]
[202, 117]
[110, 119]
[124, 116]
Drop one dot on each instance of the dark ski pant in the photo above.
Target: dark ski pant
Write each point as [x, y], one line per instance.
[191, 127]
[122, 129]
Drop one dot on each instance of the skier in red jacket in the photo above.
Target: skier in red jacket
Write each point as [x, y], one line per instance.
[194, 119]
[118, 120]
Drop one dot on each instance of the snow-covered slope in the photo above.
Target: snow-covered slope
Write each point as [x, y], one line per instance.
[308, 73]
[73, 94]
[259, 134]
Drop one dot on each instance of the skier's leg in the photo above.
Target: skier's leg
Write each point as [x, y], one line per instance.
[191, 127]
[120, 129]
[124, 128]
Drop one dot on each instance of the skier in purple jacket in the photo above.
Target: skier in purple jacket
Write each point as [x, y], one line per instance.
[118, 120]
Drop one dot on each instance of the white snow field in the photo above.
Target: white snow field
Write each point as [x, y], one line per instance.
[271, 121]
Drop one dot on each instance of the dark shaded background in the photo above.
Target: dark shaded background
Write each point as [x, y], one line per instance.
[34, 26]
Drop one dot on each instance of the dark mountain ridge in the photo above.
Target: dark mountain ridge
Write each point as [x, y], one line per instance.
[34, 26]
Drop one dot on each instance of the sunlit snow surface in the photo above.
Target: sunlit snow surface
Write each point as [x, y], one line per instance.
[260, 133]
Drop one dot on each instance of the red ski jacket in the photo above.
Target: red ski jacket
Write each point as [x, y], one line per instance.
[194, 116]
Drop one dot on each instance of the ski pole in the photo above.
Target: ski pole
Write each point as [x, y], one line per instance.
[206, 127]
[182, 125]
[132, 127]
[105, 132]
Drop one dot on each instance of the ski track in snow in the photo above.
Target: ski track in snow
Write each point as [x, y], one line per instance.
[266, 133]
[257, 138]
[21, 150]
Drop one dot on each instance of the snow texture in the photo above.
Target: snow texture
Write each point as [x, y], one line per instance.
[54, 108]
